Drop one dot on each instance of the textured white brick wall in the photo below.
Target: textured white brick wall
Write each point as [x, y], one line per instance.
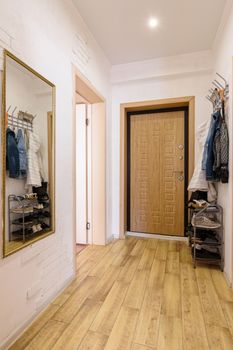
[49, 35]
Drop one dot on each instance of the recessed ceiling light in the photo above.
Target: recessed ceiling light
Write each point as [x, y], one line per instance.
[153, 22]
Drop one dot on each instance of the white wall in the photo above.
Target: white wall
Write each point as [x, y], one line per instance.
[223, 56]
[49, 35]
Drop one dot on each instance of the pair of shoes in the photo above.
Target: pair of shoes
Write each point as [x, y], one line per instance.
[198, 204]
[203, 221]
[45, 226]
[22, 210]
[19, 233]
[205, 237]
[41, 215]
[36, 228]
[30, 196]
[204, 254]
[38, 206]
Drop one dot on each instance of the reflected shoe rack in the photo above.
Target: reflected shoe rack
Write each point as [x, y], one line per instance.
[206, 237]
[27, 217]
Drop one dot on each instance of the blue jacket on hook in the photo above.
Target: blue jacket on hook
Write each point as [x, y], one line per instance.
[211, 174]
[12, 154]
[22, 153]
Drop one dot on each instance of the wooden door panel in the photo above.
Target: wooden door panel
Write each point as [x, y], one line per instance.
[156, 162]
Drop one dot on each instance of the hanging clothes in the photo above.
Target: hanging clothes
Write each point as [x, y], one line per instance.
[224, 142]
[22, 153]
[198, 181]
[35, 171]
[12, 154]
[211, 175]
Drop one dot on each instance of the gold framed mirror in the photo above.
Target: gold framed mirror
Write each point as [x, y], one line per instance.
[28, 155]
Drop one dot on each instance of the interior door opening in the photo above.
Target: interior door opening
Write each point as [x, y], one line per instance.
[157, 171]
[83, 174]
[89, 157]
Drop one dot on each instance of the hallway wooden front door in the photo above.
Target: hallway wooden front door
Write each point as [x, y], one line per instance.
[157, 172]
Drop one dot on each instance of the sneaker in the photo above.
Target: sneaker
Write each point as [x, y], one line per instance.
[204, 222]
[21, 210]
[38, 206]
[198, 204]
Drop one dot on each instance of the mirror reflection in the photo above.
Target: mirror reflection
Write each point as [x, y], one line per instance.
[28, 187]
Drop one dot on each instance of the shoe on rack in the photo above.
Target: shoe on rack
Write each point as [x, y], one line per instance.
[203, 221]
[205, 254]
[39, 228]
[198, 204]
[38, 206]
[22, 210]
[45, 226]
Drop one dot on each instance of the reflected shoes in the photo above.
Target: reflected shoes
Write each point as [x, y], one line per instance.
[22, 210]
[30, 196]
[36, 228]
[203, 221]
[39, 206]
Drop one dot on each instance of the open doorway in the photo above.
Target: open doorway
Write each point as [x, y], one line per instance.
[83, 175]
[89, 158]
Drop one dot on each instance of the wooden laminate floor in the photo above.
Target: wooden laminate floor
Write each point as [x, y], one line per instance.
[137, 294]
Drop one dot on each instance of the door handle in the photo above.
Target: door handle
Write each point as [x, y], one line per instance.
[178, 172]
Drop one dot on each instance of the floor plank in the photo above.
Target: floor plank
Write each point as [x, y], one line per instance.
[93, 341]
[173, 262]
[135, 294]
[107, 314]
[162, 250]
[171, 302]
[121, 337]
[34, 329]
[227, 308]
[69, 309]
[219, 338]
[141, 347]
[77, 329]
[212, 310]
[170, 334]
[194, 333]
[148, 321]
[47, 336]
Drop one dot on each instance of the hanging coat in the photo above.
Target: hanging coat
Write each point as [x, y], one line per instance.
[224, 142]
[35, 171]
[22, 153]
[198, 181]
[12, 154]
[211, 175]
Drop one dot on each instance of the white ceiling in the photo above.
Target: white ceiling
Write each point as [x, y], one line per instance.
[120, 26]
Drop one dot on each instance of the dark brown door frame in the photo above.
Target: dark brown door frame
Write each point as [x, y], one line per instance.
[189, 102]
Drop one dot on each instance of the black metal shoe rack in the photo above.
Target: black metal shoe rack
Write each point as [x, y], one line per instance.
[26, 226]
[214, 212]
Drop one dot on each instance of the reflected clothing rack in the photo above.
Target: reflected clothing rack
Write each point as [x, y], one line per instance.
[15, 122]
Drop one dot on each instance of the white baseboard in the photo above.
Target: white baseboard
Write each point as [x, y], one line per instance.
[155, 236]
[110, 239]
[229, 283]
[22, 328]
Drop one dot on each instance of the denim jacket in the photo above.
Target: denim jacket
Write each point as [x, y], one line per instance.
[22, 153]
[12, 154]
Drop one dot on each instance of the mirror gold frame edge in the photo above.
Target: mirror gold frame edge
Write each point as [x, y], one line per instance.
[5, 254]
